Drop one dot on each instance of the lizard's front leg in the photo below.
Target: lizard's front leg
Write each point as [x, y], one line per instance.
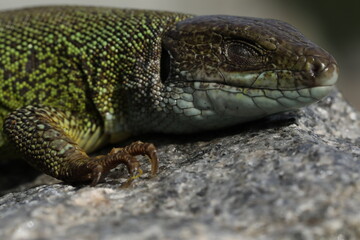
[49, 139]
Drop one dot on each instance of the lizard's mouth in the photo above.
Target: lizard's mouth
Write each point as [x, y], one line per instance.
[302, 87]
[247, 95]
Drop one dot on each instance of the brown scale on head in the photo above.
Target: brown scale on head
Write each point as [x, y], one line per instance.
[210, 48]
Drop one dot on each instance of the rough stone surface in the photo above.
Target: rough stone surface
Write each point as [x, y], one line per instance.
[291, 176]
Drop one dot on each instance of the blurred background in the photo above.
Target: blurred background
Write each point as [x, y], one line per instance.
[331, 24]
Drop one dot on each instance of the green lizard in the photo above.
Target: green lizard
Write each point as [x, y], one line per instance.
[75, 78]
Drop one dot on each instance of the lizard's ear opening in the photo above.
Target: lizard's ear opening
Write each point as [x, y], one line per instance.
[164, 65]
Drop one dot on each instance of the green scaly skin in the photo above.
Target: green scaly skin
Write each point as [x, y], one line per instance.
[75, 78]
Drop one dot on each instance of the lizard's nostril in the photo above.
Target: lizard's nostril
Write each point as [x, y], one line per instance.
[317, 68]
[328, 75]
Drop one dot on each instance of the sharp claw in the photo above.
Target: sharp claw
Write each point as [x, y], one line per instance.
[127, 156]
[132, 178]
[150, 152]
[96, 175]
[139, 173]
[154, 163]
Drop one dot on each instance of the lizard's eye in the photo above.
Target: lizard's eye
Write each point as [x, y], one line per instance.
[164, 65]
[242, 54]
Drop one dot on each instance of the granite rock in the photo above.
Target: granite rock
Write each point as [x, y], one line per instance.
[294, 175]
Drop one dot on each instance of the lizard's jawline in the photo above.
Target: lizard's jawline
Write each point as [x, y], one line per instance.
[217, 108]
[196, 108]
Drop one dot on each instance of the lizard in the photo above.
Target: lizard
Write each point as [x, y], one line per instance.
[75, 78]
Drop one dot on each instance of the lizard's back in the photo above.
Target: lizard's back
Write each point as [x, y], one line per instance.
[71, 58]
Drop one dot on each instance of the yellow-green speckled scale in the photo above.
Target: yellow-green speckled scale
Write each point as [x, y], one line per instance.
[78, 59]
[70, 71]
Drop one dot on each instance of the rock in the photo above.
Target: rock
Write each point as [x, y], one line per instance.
[290, 176]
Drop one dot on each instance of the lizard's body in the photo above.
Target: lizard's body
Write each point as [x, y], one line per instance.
[89, 76]
[71, 64]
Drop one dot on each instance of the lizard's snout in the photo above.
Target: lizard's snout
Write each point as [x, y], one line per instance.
[325, 75]
[321, 67]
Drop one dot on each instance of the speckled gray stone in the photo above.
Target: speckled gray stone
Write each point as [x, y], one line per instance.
[291, 176]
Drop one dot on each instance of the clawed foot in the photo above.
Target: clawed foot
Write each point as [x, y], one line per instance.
[126, 156]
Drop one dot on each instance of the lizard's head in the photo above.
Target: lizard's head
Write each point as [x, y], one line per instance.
[236, 69]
